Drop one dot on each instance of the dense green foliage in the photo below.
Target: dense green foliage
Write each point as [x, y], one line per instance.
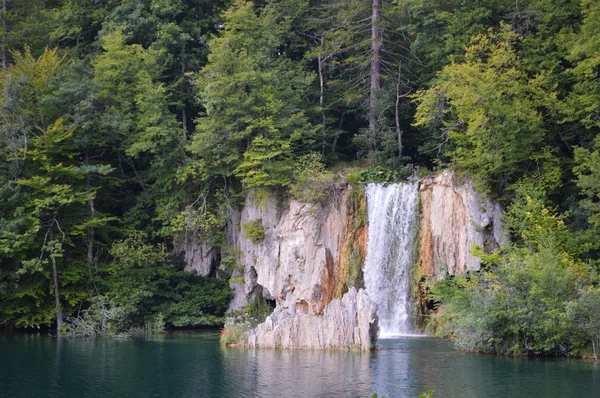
[493, 108]
[536, 298]
[130, 126]
[313, 183]
[254, 230]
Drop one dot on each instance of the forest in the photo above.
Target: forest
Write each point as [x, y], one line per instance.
[127, 125]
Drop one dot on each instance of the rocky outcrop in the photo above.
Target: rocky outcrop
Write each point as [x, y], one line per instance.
[354, 248]
[454, 218]
[296, 263]
[308, 258]
[346, 323]
[198, 256]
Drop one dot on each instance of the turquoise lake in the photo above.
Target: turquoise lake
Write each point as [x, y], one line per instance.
[194, 364]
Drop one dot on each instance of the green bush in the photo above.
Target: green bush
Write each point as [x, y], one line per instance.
[354, 178]
[147, 289]
[422, 172]
[584, 315]
[373, 175]
[257, 311]
[102, 318]
[233, 334]
[537, 299]
[312, 182]
[240, 322]
[254, 230]
[202, 302]
[379, 174]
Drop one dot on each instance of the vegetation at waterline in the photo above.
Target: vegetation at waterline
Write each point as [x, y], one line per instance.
[536, 297]
[240, 322]
[147, 289]
[132, 128]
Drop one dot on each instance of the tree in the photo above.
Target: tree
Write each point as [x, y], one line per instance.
[267, 162]
[90, 144]
[133, 95]
[77, 23]
[376, 50]
[441, 29]
[254, 98]
[146, 284]
[51, 208]
[364, 53]
[489, 109]
[582, 104]
[587, 170]
[51, 201]
[584, 313]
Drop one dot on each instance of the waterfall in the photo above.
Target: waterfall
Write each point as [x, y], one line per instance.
[392, 212]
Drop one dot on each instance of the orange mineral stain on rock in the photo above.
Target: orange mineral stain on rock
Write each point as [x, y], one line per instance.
[426, 240]
[454, 219]
[354, 247]
[328, 282]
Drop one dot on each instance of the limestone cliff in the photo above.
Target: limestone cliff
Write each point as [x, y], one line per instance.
[454, 217]
[311, 254]
[309, 259]
[297, 260]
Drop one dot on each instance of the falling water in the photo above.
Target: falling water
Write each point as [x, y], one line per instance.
[392, 212]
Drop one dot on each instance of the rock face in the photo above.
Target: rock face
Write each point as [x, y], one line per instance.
[296, 263]
[309, 256]
[454, 217]
[198, 256]
[349, 323]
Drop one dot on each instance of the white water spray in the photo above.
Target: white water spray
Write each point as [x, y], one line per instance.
[392, 212]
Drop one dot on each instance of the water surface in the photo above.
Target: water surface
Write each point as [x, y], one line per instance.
[196, 365]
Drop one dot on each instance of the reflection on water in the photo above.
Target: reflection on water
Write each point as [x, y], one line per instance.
[195, 365]
[270, 373]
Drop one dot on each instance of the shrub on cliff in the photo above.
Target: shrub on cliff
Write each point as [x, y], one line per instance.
[312, 182]
[240, 322]
[254, 230]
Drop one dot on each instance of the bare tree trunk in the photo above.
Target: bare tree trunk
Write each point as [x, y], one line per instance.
[184, 118]
[376, 46]
[90, 252]
[337, 133]
[4, 33]
[398, 129]
[183, 110]
[59, 313]
[322, 98]
[91, 232]
[595, 341]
